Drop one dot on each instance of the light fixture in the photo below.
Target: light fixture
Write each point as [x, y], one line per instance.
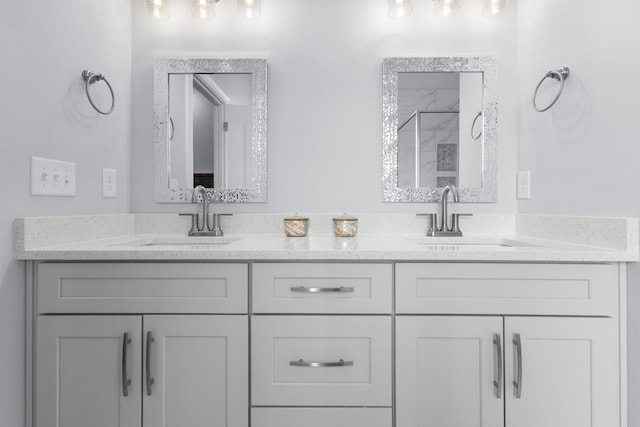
[446, 7]
[159, 9]
[402, 8]
[249, 8]
[399, 8]
[494, 7]
[204, 9]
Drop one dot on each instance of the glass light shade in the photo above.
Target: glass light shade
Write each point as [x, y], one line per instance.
[204, 9]
[158, 9]
[494, 7]
[446, 7]
[250, 9]
[399, 8]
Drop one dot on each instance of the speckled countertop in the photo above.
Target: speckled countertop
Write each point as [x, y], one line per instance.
[525, 238]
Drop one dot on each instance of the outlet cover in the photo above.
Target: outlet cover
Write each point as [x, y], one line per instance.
[108, 183]
[524, 185]
[52, 177]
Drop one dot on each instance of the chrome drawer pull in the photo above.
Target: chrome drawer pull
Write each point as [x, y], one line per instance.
[517, 384]
[126, 382]
[150, 381]
[307, 290]
[301, 362]
[497, 376]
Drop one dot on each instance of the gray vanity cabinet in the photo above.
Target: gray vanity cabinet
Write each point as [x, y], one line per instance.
[318, 344]
[535, 367]
[147, 367]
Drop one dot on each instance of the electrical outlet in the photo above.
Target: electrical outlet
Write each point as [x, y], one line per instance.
[524, 185]
[108, 183]
[52, 177]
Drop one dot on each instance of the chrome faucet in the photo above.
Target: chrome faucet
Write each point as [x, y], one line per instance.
[443, 229]
[204, 229]
[443, 206]
[202, 192]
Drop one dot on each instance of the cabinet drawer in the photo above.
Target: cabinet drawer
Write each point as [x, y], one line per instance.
[321, 417]
[322, 288]
[142, 288]
[321, 360]
[544, 289]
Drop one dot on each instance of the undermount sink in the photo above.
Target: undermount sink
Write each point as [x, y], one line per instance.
[476, 242]
[182, 241]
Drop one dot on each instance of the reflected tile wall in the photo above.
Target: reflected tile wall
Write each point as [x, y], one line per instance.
[436, 129]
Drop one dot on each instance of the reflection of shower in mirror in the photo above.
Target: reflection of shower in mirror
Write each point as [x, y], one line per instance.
[433, 152]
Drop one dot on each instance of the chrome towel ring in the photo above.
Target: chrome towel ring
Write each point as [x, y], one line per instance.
[91, 78]
[473, 126]
[560, 75]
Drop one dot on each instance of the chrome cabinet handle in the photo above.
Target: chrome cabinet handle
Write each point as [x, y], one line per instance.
[126, 382]
[308, 290]
[517, 383]
[302, 363]
[497, 375]
[150, 381]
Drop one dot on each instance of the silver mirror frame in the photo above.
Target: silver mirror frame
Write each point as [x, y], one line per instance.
[390, 69]
[258, 69]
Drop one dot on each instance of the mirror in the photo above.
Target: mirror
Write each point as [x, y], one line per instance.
[439, 128]
[210, 129]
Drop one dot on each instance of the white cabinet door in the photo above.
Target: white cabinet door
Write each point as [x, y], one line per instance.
[81, 365]
[566, 369]
[445, 371]
[199, 367]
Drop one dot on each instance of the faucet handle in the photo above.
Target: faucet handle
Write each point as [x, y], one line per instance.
[193, 221]
[455, 220]
[215, 228]
[433, 219]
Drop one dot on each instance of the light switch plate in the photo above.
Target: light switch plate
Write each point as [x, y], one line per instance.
[524, 185]
[108, 183]
[52, 177]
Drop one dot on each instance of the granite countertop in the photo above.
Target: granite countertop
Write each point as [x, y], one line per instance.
[505, 238]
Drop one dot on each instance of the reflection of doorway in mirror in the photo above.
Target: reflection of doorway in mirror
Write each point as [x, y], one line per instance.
[180, 150]
[212, 131]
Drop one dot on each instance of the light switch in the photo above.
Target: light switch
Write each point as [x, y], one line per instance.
[52, 177]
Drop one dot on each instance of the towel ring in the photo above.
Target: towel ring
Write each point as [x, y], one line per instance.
[560, 75]
[473, 126]
[91, 78]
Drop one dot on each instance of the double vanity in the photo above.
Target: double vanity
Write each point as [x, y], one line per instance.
[132, 322]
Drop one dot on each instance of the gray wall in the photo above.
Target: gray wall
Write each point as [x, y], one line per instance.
[325, 92]
[43, 112]
[583, 153]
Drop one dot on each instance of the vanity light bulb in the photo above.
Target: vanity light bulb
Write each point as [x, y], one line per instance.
[159, 9]
[204, 9]
[250, 9]
[399, 8]
[494, 7]
[446, 7]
